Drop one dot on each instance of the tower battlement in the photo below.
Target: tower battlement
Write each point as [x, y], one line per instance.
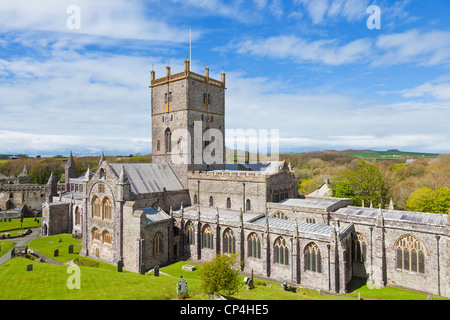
[186, 74]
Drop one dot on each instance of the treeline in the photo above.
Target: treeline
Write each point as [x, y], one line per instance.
[413, 186]
[41, 168]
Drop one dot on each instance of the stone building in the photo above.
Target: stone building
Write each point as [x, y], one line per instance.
[155, 213]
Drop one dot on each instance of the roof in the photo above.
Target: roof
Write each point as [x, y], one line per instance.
[321, 229]
[153, 214]
[149, 177]
[311, 203]
[225, 215]
[398, 215]
[268, 167]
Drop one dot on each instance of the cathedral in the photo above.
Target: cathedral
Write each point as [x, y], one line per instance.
[184, 205]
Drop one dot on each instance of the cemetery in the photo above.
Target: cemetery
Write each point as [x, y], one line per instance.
[38, 279]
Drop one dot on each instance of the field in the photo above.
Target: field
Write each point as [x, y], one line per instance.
[391, 155]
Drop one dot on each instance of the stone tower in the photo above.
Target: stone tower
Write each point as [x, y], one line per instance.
[188, 121]
[70, 171]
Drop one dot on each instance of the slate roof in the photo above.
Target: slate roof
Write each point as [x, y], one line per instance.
[225, 215]
[321, 229]
[398, 215]
[149, 177]
[153, 214]
[313, 203]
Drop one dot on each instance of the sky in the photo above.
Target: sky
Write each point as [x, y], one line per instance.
[327, 74]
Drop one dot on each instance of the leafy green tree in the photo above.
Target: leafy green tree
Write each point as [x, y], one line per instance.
[366, 182]
[221, 274]
[427, 200]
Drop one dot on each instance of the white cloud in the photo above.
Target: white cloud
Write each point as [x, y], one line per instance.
[117, 19]
[438, 91]
[321, 11]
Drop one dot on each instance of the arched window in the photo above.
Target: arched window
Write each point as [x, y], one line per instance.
[106, 237]
[359, 247]
[313, 258]
[157, 243]
[208, 237]
[211, 201]
[195, 199]
[228, 203]
[190, 233]
[77, 216]
[280, 215]
[310, 220]
[410, 254]
[168, 142]
[254, 246]
[102, 173]
[158, 145]
[229, 242]
[281, 251]
[248, 205]
[95, 234]
[95, 207]
[107, 209]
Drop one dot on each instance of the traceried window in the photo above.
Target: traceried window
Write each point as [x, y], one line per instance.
[410, 254]
[359, 247]
[107, 209]
[190, 233]
[101, 187]
[208, 237]
[157, 243]
[106, 237]
[281, 251]
[313, 258]
[229, 242]
[96, 234]
[95, 207]
[254, 246]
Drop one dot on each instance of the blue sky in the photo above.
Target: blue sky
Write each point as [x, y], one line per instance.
[311, 69]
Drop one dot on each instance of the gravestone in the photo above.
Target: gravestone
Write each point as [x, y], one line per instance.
[56, 253]
[142, 269]
[42, 259]
[29, 267]
[120, 266]
[250, 284]
[0, 248]
[59, 240]
[71, 248]
[182, 286]
[156, 271]
[188, 267]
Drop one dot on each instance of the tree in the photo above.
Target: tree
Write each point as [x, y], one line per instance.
[427, 200]
[221, 274]
[366, 182]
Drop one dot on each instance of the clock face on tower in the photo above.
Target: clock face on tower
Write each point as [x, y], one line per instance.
[167, 119]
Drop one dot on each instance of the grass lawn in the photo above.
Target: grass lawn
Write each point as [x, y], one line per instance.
[390, 293]
[6, 246]
[47, 246]
[48, 281]
[15, 224]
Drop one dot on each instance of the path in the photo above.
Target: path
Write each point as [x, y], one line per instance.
[21, 242]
